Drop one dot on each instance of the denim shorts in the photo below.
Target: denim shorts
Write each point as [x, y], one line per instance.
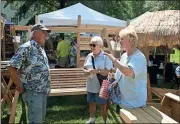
[94, 97]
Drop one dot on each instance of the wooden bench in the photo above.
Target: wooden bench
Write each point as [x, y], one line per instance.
[170, 112]
[144, 115]
[4, 65]
[160, 92]
[67, 81]
[170, 105]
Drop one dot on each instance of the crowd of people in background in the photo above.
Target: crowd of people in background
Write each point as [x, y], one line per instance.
[64, 52]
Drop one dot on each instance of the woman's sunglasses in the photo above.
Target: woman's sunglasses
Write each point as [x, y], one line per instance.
[92, 45]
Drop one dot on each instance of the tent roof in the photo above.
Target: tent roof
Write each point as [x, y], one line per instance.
[69, 16]
[160, 22]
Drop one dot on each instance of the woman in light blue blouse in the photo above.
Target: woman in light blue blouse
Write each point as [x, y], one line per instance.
[102, 66]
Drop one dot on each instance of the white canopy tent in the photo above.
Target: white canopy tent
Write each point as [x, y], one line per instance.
[69, 16]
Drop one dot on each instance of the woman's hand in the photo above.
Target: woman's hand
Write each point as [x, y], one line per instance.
[114, 84]
[87, 72]
[112, 58]
[94, 71]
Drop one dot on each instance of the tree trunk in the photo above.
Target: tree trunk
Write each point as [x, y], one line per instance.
[62, 4]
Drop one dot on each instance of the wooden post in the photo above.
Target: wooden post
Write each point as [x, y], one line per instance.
[13, 32]
[3, 38]
[0, 28]
[165, 63]
[78, 41]
[149, 94]
[36, 19]
[28, 33]
[128, 22]
[14, 105]
[104, 32]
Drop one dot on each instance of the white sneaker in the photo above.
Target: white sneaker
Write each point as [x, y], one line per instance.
[91, 121]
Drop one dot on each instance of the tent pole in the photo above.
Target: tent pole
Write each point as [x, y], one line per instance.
[28, 33]
[3, 37]
[36, 19]
[165, 63]
[78, 40]
[105, 34]
[13, 32]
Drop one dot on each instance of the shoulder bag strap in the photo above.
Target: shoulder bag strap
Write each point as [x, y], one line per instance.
[93, 62]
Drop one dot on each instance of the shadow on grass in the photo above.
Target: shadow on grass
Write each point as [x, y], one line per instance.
[23, 118]
[114, 115]
[66, 100]
[67, 113]
[5, 120]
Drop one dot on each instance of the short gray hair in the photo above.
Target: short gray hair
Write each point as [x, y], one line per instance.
[31, 35]
[97, 40]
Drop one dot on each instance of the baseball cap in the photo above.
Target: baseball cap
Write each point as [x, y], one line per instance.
[40, 27]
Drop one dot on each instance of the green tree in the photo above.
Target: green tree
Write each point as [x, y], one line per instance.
[162, 5]
[116, 8]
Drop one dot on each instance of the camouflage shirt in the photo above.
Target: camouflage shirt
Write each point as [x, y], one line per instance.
[32, 63]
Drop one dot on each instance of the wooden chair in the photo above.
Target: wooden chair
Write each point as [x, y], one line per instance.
[5, 86]
[67, 81]
[7, 94]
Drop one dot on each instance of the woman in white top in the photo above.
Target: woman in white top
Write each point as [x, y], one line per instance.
[102, 66]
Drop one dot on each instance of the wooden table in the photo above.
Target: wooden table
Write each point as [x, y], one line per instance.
[144, 115]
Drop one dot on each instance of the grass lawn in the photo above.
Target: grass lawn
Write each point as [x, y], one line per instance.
[63, 109]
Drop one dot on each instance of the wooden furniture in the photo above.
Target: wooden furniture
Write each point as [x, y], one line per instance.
[160, 92]
[147, 114]
[170, 105]
[8, 49]
[67, 81]
[6, 92]
[2, 38]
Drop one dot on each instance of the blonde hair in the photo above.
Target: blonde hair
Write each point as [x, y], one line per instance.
[97, 40]
[132, 36]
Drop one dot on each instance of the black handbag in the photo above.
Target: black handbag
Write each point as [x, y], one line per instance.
[99, 76]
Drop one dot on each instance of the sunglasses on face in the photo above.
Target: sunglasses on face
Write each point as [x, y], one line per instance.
[92, 45]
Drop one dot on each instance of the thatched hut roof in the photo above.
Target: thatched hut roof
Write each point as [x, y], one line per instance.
[159, 28]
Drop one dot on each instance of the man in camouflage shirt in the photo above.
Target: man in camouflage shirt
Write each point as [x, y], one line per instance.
[29, 70]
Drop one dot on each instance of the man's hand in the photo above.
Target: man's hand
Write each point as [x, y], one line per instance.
[20, 89]
[14, 74]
